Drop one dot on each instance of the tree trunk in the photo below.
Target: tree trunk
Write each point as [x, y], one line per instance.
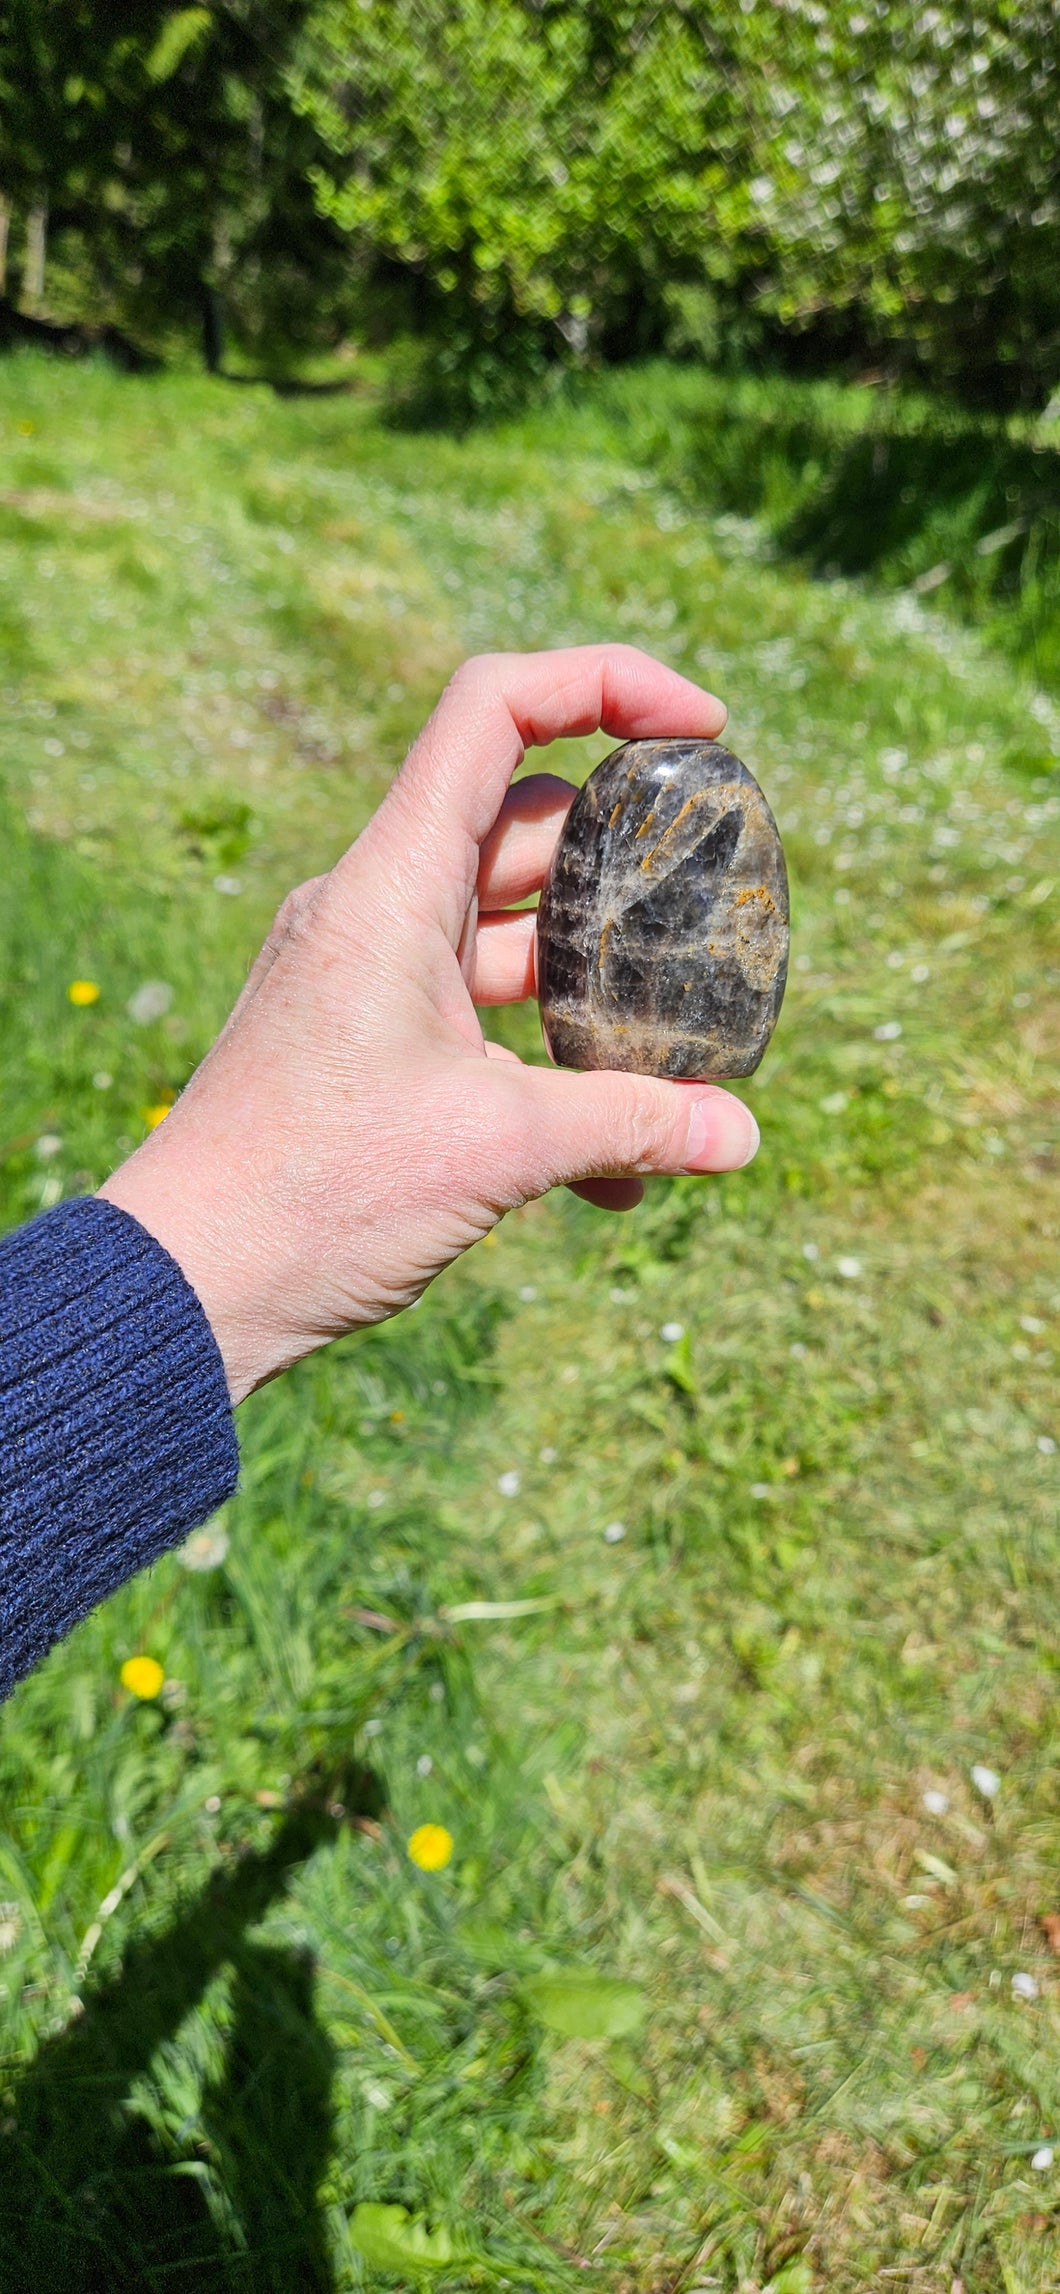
[33, 268]
[213, 343]
[5, 226]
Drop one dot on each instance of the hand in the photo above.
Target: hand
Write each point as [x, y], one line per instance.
[350, 1132]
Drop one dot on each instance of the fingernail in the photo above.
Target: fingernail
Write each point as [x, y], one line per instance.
[722, 1134]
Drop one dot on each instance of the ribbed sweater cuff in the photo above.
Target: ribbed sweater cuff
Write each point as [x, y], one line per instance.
[116, 1434]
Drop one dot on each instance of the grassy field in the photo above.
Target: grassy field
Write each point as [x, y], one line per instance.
[773, 1462]
[865, 480]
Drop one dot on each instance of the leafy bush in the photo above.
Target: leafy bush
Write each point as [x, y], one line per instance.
[521, 182]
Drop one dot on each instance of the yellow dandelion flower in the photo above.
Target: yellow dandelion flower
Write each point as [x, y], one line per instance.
[153, 1116]
[430, 1847]
[142, 1676]
[83, 992]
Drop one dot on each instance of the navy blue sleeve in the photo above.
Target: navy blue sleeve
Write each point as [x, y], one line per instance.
[116, 1434]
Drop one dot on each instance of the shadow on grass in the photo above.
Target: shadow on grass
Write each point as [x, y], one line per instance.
[958, 507]
[291, 385]
[87, 2200]
[877, 494]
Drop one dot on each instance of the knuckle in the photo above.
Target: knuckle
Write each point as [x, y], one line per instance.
[647, 1125]
[464, 676]
[285, 914]
[477, 670]
[292, 909]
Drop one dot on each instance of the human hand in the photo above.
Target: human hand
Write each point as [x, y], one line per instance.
[351, 1132]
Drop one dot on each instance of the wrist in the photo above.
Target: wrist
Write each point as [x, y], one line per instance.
[204, 1238]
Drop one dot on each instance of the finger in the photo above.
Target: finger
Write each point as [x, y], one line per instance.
[610, 1194]
[452, 784]
[566, 1127]
[503, 967]
[500, 1051]
[517, 851]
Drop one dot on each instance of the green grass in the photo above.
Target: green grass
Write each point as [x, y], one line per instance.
[964, 509]
[233, 2009]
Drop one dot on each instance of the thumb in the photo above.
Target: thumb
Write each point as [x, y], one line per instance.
[585, 1126]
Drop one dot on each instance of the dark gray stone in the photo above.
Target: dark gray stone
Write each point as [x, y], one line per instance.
[662, 933]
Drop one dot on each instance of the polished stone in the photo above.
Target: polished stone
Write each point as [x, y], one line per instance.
[662, 933]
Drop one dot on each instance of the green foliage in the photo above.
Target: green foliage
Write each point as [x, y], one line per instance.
[392, 2240]
[878, 181]
[540, 178]
[180, 32]
[522, 182]
[910, 178]
[174, 173]
[585, 2006]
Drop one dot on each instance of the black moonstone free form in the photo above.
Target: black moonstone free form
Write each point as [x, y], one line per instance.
[662, 933]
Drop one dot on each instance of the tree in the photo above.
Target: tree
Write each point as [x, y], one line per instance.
[913, 182]
[536, 172]
[165, 147]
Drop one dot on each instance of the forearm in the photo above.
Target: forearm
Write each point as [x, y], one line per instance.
[116, 1434]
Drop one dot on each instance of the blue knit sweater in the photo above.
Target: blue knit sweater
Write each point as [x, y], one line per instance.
[116, 1435]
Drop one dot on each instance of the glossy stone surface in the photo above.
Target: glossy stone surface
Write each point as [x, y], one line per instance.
[662, 933]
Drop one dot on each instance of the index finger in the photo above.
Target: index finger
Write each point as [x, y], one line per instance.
[453, 781]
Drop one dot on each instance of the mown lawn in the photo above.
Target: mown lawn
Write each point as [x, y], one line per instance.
[774, 1460]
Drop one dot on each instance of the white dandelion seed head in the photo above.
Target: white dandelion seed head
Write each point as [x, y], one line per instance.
[49, 1144]
[548, 1455]
[101, 1081]
[508, 1484]
[671, 1332]
[811, 1251]
[205, 1549]
[936, 1803]
[1047, 1445]
[1024, 1986]
[614, 1533]
[888, 1031]
[848, 1268]
[920, 973]
[375, 1499]
[151, 1002]
[985, 1780]
[424, 1764]
[1042, 2159]
[232, 885]
[528, 1293]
